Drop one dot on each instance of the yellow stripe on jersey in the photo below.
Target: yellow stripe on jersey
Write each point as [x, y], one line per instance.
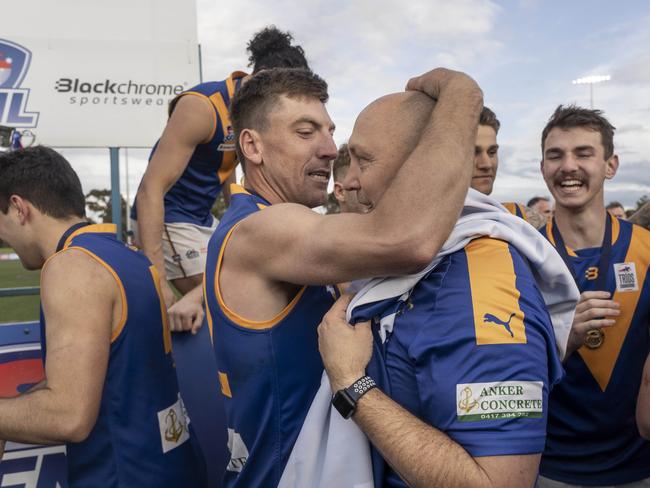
[208, 315]
[229, 160]
[225, 386]
[120, 325]
[549, 236]
[94, 228]
[616, 228]
[167, 336]
[495, 297]
[601, 361]
[516, 209]
[235, 317]
[237, 189]
[230, 82]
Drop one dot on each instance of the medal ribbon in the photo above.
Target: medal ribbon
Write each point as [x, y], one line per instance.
[605, 254]
[594, 337]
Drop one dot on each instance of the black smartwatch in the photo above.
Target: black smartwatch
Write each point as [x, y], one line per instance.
[345, 401]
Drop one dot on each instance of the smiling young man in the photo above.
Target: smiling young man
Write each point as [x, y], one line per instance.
[271, 255]
[592, 436]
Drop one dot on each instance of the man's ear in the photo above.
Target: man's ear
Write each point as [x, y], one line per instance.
[612, 167]
[21, 207]
[251, 146]
[339, 194]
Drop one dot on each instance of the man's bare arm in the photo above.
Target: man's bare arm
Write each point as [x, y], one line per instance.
[78, 297]
[426, 457]
[643, 402]
[407, 227]
[191, 123]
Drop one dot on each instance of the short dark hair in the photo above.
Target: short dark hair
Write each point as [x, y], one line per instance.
[271, 48]
[535, 200]
[45, 178]
[341, 163]
[489, 118]
[573, 116]
[614, 204]
[251, 105]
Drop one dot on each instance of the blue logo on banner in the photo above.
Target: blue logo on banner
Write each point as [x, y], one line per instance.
[14, 63]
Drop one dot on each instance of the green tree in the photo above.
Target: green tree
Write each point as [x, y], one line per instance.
[642, 201]
[99, 206]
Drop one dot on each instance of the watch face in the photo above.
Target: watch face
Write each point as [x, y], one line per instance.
[344, 404]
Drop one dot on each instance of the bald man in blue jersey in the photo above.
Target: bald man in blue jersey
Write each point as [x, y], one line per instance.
[110, 391]
[465, 370]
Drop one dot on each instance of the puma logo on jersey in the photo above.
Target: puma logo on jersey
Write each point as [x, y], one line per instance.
[489, 318]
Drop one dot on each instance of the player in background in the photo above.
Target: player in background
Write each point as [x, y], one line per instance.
[617, 210]
[192, 162]
[592, 435]
[542, 206]
[110, 391]
[486, 163]
[348, 200]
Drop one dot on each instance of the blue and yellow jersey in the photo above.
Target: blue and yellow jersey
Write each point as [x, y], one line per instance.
[592, 434]
[193, 195]
[516, 209]
[140, 438]
[269, 371]
[472, 352]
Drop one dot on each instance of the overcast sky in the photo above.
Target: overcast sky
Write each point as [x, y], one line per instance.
[524, 54]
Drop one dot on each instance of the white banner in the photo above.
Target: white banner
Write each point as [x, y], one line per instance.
[95, 73]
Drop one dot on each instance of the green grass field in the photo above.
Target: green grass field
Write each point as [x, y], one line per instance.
[17, 309]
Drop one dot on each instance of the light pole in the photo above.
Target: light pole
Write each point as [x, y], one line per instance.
[591, 81]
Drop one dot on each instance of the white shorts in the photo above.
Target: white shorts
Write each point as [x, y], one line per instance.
[185, 247]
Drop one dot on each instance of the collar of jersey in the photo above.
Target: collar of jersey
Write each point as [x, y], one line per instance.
[94, 228]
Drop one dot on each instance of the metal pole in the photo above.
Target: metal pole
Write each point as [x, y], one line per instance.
[200, 65]
[128, 196]
[116, 197]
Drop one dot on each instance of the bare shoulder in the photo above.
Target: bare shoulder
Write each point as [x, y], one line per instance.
[194, 107]
[75, 274]
[276, 224]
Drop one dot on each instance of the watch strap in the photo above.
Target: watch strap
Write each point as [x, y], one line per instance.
[360, 387]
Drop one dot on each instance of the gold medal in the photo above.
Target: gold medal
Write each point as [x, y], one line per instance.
[595, 338]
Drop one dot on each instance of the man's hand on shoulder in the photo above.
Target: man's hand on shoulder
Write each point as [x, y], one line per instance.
[346, 349]
[2, 448]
